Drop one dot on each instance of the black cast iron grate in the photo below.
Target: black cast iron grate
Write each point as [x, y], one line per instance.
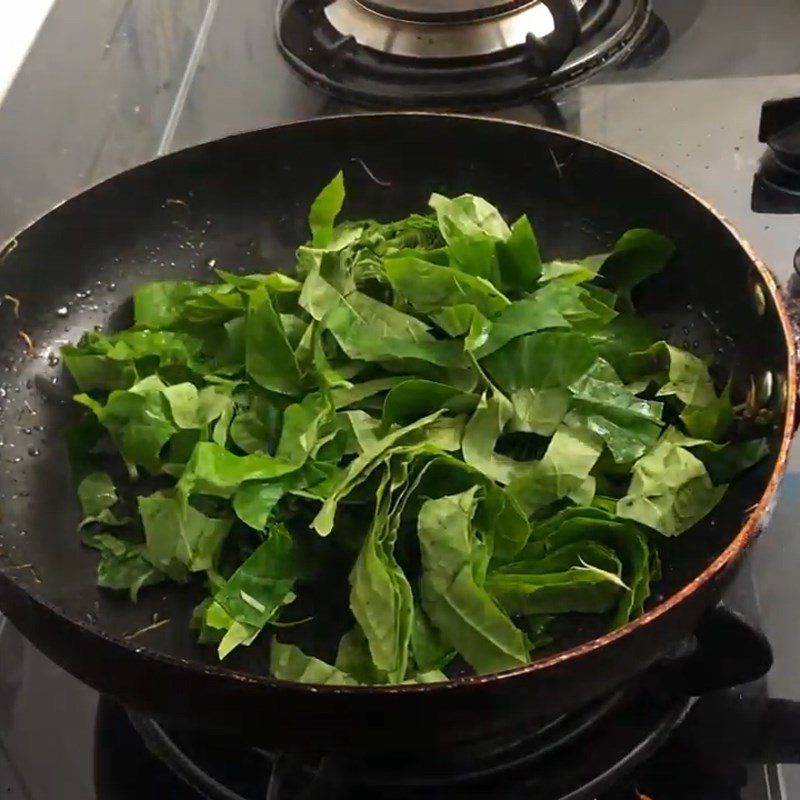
[577, 756]
[611, 32]
[571, 758]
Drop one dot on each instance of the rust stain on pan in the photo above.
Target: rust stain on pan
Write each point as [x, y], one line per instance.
[748, 532]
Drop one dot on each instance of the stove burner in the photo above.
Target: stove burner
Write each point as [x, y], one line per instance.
[439, 36]
[443, 10]
[369, 51]
[573, 758]
[578, 756]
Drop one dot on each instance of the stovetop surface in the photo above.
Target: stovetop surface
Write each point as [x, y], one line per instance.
[105, 90]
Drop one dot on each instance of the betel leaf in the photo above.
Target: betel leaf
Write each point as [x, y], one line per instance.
[638, 254]
[582, 588]
[270, 359]
[481, 433]
[724, 462]
[289, 663]
[539, 411]
[557, 539]
[145, 349]
[124, 565]
[472, 228]
[557, 305]
[96, 372]
[325, 209]
[670, 490]
[256, 428]
[255, 501]
[369, 330]
[499, 519]
[430, 652]
[464, 613]
[365, 429]
[562, 472]
[519, 259]
[540, 361]
[137, 420]
[727, 463]
[600, 403]
[353, 394]
[191, 408]
[581, 271]
[279, 285]
[681, 374]
[380, 594]
[429, 287]
[713, 420]
[160, 304]
[520, 318]
[360, 467]
[587, 308]
[553, 554]
[412, 370]
[468, 217]
[447, 433]
[413, 399]
[97, 493]
[686, 377]
[307, 426]
[256, 592]
[354, 658]
[620, 338]
[177, 532]
[434, 676]
[689, 380]
[213, 470]
[214, 306]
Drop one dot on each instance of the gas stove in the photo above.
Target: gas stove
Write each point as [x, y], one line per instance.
[680, 84]
[647, 740]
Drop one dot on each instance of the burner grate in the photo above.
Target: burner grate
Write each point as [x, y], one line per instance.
[623, 729]
[342, 65]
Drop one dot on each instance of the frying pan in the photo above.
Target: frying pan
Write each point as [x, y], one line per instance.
[241, 204]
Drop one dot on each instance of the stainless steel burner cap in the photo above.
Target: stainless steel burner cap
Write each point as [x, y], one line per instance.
[441, 10]
[439, 38]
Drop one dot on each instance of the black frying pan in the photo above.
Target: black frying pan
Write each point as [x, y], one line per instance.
[242, 203]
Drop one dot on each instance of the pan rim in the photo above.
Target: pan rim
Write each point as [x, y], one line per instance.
[732, 553]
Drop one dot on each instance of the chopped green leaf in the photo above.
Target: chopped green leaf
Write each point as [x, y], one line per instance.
[270, 358]
[670, 490]
[255, 594]
[123, 565]
[290, 663]
[177, 532]
[325, 209]
[452, 595]
[426, 408]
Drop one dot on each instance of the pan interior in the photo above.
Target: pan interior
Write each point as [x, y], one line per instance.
[241, 204]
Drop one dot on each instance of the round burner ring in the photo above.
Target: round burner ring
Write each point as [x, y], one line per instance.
[556, 21]
[441, 11]
[363, 57]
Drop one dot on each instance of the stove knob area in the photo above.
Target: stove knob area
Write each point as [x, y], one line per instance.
[776, 188]
[780, 130]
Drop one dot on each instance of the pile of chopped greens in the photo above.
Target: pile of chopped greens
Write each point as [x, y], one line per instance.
[475, 441]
